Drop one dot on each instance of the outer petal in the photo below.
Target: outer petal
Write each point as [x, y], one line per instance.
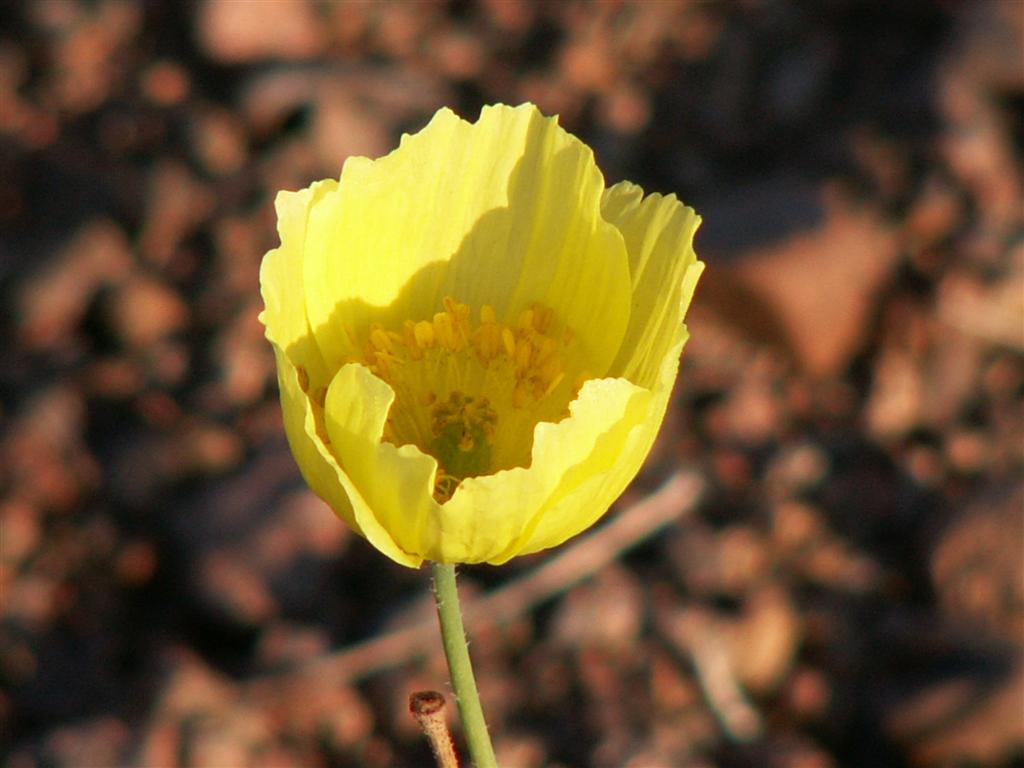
[284, 316]
[281, 281]
[320, 469]
[606, 476]
[505, 211]
[495, 517]
[659, 238]
[295, 350]
[659, 234]
[389, 485]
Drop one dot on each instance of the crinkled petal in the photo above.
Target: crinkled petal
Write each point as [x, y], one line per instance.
[393, 485]
[495, 517]
[298, 357]
[322, 472]
[318, 468]
[658, 232]
[607, 475]
[504, 212]
[301, 368]
[282, 287]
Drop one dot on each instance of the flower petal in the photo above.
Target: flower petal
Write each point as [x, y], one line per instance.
[320, 470]
[504, 212]
[390, 486]
[607, 473]
[493, 518]
[295, 349]
[301, 367]
[658, 232]
[281, 282]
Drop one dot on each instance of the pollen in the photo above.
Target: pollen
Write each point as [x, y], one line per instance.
[470, 387]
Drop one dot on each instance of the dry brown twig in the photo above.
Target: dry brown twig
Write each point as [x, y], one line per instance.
[427, 707]
[695, 633]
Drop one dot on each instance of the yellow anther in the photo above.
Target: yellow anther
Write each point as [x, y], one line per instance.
[545, 350]
[423, 332]
[487, 314]
[526, 319]
[553, 384]
[509, 340]
[524, 351]
[487, 340]
[463, 330]
[551, 369]
[379, 339]
[381, 364]
[444, 332]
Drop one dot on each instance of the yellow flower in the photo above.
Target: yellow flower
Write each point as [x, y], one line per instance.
[475, 340]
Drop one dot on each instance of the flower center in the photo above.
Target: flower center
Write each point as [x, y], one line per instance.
[470, 392]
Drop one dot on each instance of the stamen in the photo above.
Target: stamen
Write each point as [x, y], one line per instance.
[526, 319]
[509, 340]
[424, 334]
[379, 339]
[554, 384]
[471, 396]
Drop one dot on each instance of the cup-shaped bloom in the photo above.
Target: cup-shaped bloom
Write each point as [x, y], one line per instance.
[475, 340]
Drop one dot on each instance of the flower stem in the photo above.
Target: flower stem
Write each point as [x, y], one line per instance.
[460, 669]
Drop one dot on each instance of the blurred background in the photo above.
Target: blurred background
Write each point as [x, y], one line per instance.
[841, 584]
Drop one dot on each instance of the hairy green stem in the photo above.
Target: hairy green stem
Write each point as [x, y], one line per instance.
[460, 669]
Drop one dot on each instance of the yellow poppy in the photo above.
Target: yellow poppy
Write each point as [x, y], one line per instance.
[475, 340]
